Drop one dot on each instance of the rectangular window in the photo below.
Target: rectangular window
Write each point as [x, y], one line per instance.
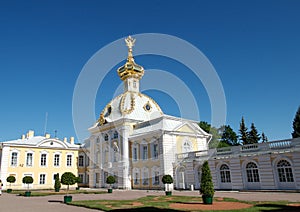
[136, 179]
[156, 178]
[56, 159]
[80, 160]
[69, 160]
[145, 178]
[135, 157]
[14, 159]
[43, 159]
[29, 159]
[145, 152]
[155, 151]
[81, 176]
[42, 178]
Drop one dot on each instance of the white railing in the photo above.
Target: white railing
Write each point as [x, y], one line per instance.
[259, 147]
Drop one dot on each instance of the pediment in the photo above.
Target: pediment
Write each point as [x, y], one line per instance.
[52, 143]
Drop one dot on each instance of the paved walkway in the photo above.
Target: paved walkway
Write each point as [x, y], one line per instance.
[11, 202]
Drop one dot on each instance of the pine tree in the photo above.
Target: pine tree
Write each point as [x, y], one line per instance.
[264, 138]
[253, 136]
[296, 124]
[243, 132]
[229, 136]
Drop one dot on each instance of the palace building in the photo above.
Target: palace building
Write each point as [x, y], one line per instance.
[134, 140]
[40, 157]
[137, 143]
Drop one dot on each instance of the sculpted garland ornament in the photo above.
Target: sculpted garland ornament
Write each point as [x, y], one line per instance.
[132, 104]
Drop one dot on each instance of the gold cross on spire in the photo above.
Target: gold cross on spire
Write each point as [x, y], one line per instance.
[130, 43]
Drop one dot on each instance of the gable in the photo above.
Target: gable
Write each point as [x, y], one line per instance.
[185, 128]
[51, 143]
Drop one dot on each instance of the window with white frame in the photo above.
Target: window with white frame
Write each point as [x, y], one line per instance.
[42, 179]
[225, 174]
[69, 160]
[106, 137]
[136, 178]
[186, 147]
[29, 157]
[116, 177]
[81, 176]
[135, 153]
[116, 135]
[155, 151]
[14, 159]
[285, 172]
[80, 160]
[252, 172]
[43, 159]
[145, 177]
[145, 151]
[56, 160]
[116, 152]
[156, 178]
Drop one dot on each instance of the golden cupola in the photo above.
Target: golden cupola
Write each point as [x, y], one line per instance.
[130, 68]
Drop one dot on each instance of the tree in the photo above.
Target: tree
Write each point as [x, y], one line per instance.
[296, 124]
[253, 136]
[229, 136]
[10, 179]
[110, 180]
[27, 180]
[206, 185]
[243, 132]
[167, 179]
[264, 138]
[68, 178]
[57, 184]
[205, 126]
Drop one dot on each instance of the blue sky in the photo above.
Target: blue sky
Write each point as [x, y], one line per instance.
[253, 46]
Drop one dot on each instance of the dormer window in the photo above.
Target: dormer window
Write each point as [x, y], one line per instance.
[105, 137]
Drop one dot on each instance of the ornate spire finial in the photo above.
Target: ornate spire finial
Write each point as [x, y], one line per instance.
[130, 43]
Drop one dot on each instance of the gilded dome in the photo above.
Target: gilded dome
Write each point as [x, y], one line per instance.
[131, 105]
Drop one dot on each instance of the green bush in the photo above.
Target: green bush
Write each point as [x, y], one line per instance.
[57, 184]
[167, 179]
[110, 180]
[27, 180]
[68, 178]
[11, 179]
[206, 186]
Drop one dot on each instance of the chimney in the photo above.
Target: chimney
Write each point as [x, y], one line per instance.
[47, 135]
[65, 139]
[71, 140]
[23, 137]
[30, 134]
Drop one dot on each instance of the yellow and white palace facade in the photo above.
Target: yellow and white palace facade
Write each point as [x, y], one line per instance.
[134, 140]
[40, 157]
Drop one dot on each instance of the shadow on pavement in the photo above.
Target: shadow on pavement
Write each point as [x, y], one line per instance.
[145, 209]
[59, 201]
[279, 207]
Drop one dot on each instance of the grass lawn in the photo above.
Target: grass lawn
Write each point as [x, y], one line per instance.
[37, 193]
[162, 203]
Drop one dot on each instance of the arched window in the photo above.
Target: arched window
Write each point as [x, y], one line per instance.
[116, 135]
[285, 172]
[116, 152]
[186, 147]
[225, 174]
[106, 137]
[252, 172]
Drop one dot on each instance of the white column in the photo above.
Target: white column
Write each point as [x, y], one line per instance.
[125, 158]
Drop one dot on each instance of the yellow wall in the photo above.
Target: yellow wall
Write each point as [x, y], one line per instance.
[21, 168]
